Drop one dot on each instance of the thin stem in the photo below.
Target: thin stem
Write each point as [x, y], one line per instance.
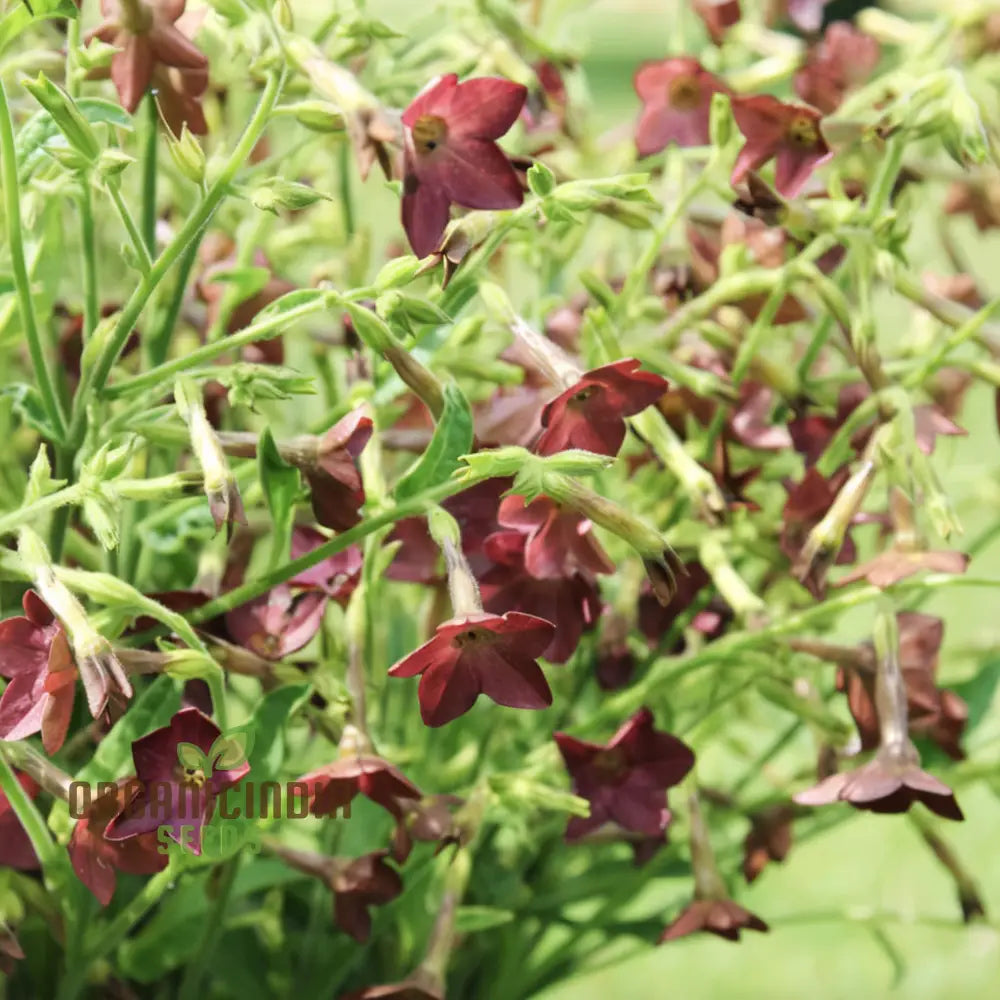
[91, 308]
[159, 342]
[11, 522]
[149, 163]
[213, 928]
[135, 237]
[25, 810]
[15, 239]
[95, 379]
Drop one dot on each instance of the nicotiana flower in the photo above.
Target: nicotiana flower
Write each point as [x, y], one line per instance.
[336, 576]
[36, 657]
[450, 155]
[768, 839]
[558, 541]
[333, 787]
[277, 623]
[571, 603]
[626, 780]
[722, 917]
[15, 844]
[480, 654]
[890, 783]
[591, 413]
[175, 791]
[96, 859]
[844, 58]
[790, 133]
[332, 472]
[146, 34]
[677, 98]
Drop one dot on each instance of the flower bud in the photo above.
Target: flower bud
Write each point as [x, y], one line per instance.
[319, 116]
[541, 180]
[112, 162]
[220, 486]
[188, 155]
[276, 193]
[67, 116]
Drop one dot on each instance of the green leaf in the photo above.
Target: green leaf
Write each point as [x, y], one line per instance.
[15, 21]
[291, 300]
[269, 723]
[153, 708]
[280, 483]
[451, 440]
[29, 408]
[470, 919]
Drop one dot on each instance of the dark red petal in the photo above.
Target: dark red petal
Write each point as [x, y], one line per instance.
[484, 108]
[439, 650]
[434, 100]
[475, 173]
[447, 690]
[425, 214]
[511, 680]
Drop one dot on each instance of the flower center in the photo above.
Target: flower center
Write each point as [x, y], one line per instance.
[192, 777]
[683, 93]
[584, 394]
[471, 636]
[802, 132]
[428, 131]
[611, 764]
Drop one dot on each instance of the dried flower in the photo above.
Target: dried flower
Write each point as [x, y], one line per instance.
[451, 156]
[718, 916]
[626, 780]
[677, 99]
[769, 839]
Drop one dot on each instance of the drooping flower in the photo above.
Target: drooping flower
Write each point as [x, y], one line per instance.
[333, 787]
[677, 98]
[35, 655]
[938, 714]
[480, 654]
[591, 413]
[572, 604]
[615, 661]
[717, 916]
[718, 15]
[176, 792]
[15, 844]
[96, 859]
[790, 133]
[768, 839]
[558, 541]
[357, 885]
[890, 783]
[626, 780]
[656, 620]
[843, 59]
[450, 155]
[146, 34]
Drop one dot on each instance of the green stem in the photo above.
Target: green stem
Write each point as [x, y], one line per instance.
[344, 168]
[149, 176]
[95, 379]
[11, 522]
[135, 237]
[15, 239]
[91, 308]
[159, 342]
[213, 928]
[260, 330]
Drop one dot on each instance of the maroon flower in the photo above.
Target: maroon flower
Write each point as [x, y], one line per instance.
[812, 432]
[844, 58]
[331, 469]
[572, 604]
[96, 859]
[751, 423]
[148, 38]
[333, 787]
[718, 15]
[591, 413]
[480, 654]
[769, 839]
[175, 792]
[938, 714]
[15, 845]
[367, 881]
[277, 623]
[451, 156]
[656, 620]
[788, 132]
[336, 576]
[677, 98]
[625, 781]
[545, 107]
[717, 916]
[509, 416]
[35, 654]
[615, 662]
[558, 541]
[890, 783]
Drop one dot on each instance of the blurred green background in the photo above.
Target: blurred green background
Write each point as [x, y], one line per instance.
[862, 911]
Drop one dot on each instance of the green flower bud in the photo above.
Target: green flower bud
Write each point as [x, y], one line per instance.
[319, 116]
[112, 162]
[188, 155]
[276, 193]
